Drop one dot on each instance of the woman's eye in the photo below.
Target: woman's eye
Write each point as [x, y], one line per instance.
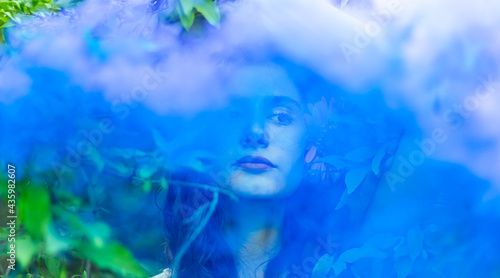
[281, 118]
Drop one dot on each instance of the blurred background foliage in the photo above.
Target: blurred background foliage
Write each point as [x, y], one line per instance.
[14, 12]
[103, 217]
[90, 233]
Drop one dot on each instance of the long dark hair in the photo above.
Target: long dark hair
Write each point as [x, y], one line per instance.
[313, 223]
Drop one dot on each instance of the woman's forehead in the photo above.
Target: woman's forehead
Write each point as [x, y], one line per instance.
[267, 83]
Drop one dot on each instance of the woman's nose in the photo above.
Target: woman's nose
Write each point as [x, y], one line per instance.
[254, 137]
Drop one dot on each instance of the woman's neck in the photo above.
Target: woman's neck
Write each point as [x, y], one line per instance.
[254, 233]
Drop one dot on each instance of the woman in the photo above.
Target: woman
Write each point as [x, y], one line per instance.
[265, 212]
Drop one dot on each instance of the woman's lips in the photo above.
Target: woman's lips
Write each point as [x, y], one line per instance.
[254, 163]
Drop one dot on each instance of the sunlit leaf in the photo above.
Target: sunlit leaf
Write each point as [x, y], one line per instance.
[187, 20]
[63, 274]
[210, 11]
[26, 250]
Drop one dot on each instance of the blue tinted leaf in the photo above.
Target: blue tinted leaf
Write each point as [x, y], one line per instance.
[378, 159]
[353, 255]
[344, 200]
[322, 267]
[353, 178]
[403, 267]
[415, 242]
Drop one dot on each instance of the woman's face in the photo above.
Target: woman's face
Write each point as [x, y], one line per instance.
[267, 127]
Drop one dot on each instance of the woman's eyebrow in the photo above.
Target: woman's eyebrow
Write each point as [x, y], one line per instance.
[284, 101]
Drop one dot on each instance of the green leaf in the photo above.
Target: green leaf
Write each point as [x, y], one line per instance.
[54, 244]
[2, 36]
[187, 6]
[210, 11]
[34, 210]
[115, 257]
[26, 249]
[147, 185]
[53, 264]
[63, 273]
[187, 20]
[4, 234]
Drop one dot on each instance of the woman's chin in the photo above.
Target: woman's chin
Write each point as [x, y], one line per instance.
[257, 186]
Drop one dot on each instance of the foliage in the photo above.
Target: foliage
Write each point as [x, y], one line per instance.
[187, 11]
[53, 240]
[15, 11]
